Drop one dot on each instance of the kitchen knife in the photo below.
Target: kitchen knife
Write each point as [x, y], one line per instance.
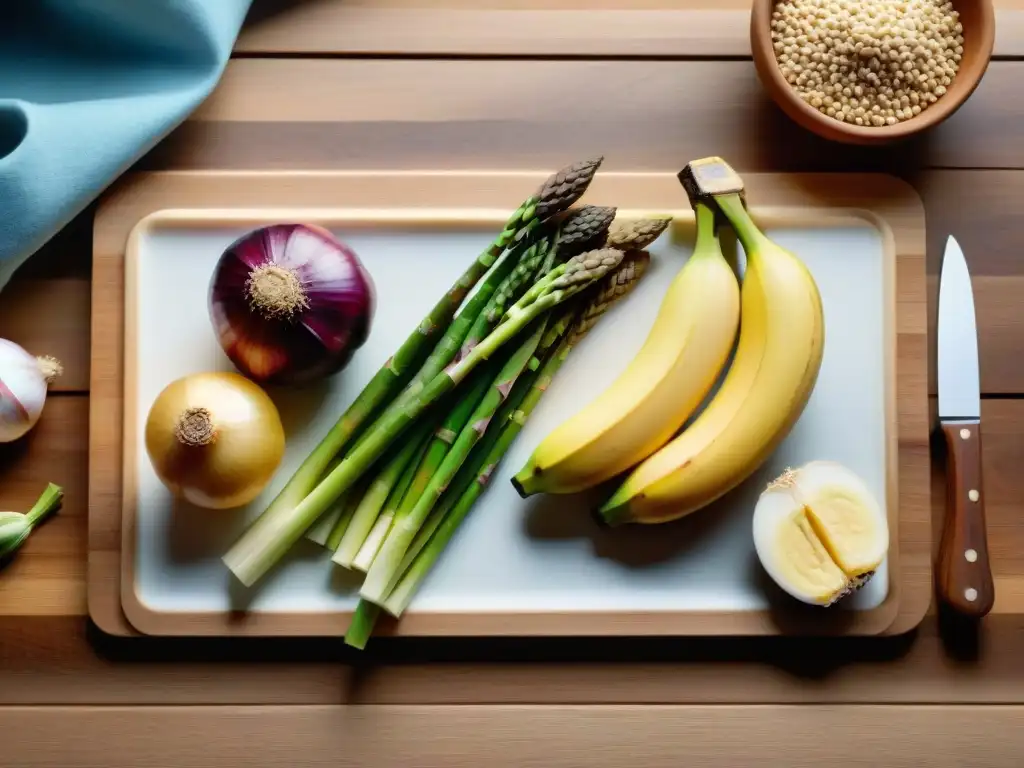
[964, 577]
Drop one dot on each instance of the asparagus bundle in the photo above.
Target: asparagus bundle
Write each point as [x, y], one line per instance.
[556, 194]
[588, 224]
[274, 532]
[423, 546]
[384, 570]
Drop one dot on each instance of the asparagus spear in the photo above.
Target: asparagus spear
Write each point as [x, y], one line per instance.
[636, 235]
[377, 493]
[371, 545]
[611, 290]
[392, 501]
[361, 627]
[384, 570]
[269, 538]
[349, 502]
[430, 457]
[557, 193]
[467, 474]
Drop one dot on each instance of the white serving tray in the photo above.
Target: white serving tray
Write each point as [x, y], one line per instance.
[512, 556]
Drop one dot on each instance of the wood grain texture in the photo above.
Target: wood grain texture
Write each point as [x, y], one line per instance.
[51, 317]
[606, 28]
[891, 205]
[459, 737]
[431, 114]
[48, 575]
[57, 661]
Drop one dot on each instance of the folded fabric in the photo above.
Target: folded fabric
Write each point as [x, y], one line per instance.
[86, 88]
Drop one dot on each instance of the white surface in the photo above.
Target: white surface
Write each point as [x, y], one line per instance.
[511, 554]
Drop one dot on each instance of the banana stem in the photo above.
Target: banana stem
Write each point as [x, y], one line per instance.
[739, 217]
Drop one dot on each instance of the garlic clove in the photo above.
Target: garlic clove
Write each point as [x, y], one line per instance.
[819, 532]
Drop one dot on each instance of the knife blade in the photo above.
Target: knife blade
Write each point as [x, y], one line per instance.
[964, 575]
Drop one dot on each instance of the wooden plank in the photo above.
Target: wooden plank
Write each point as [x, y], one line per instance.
[651, 28]
[643, 115]
[51, 317]
[456, 737]
[48, 576]
[47, 661]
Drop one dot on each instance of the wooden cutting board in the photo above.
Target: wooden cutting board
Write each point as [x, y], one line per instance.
[891, 204]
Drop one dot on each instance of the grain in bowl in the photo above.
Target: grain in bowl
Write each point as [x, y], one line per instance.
[868, 62]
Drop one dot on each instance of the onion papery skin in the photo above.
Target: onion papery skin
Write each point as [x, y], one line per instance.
[244, 451]
[316, 339]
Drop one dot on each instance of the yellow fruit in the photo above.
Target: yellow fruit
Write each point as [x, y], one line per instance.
[819, 532]
[768, 384]
[663, 385]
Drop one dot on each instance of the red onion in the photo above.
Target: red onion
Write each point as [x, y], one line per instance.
[290, 303]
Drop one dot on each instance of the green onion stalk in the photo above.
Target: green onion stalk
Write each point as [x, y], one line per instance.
[264, 544]
[16, 527]
[384, 570]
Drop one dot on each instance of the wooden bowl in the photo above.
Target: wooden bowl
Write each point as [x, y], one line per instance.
[978, 20]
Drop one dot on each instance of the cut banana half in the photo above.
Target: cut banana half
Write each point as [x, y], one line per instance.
[819, 532]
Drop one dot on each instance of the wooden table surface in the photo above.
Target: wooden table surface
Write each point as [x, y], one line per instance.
[651, 84]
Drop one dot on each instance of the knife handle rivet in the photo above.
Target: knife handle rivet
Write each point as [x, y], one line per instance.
[965, 434]
[971, 555]
[971, 594]
[973, 495]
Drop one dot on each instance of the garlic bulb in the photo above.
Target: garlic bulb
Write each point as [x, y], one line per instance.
[23, 386]
[819, 532]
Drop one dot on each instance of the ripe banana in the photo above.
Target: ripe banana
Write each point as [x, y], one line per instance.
[663, 385]
[768, 384]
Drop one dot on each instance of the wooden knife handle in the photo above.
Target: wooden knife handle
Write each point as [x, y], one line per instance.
[964, 575]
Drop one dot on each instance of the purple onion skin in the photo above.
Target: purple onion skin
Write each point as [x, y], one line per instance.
[316, 341]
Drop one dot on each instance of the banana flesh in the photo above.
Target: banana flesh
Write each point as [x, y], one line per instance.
[681, 358]
[819, 532]
[764, 392]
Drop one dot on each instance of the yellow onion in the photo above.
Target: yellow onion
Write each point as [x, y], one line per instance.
[215, 439]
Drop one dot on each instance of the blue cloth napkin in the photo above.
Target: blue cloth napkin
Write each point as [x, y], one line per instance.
[86, 88]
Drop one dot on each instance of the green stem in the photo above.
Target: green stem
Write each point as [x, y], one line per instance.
[47, 503]
[321, 530]
[739, 217]
[556, 330]
[377, 494]
[385, 569]
[371, 546]
[428, 548]
[349, 503]
[363, 619]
